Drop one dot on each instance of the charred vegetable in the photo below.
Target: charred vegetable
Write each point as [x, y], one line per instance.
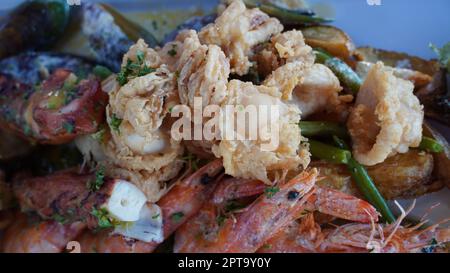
[436, 97]
[331, 39]
[56, 111]
[32, 68]
[35, 24]
[196, 23]
[287, 15]
[110, 34]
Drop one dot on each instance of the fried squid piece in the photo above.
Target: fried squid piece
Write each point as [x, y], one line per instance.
[387, 117]
[249, 158]
[140, 148]
[294, 58]
[204, 75]
[237, 31]
[60, 109]
[312, 87]
[176, 53]
[203, 72]
[319, 92]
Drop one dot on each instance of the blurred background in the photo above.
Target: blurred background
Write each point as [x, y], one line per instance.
[401, 25]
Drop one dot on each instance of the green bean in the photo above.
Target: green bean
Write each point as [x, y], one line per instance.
[322, 128]
[365, 184]
[369, 190]
[287, 16]
[328, 152]
[431, 145]
[345, 73]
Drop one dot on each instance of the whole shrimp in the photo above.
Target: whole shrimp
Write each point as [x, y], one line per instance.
[27, 235]
[324, 200]
[307, 236]
[262, 219]
[177, 206]
[250, 229]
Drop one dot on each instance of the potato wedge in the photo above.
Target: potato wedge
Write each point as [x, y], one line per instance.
[330, 38]
[335, 176]
[397, 59]
[403, 175]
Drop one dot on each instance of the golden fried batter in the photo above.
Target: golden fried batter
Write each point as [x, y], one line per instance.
[387, 117]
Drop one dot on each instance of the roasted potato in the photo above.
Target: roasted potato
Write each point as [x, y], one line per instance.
[403, 175]
[397, 59]
[332, 39]
[335, 176]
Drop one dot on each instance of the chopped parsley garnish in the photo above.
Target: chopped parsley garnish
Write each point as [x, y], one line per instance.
[271, 191]
[103, 218]
[177, 216]
[134, 69]
[96, 184]
[101, 72]
[68, 126]
[59, 218]
[192, 160]
[115, 123]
